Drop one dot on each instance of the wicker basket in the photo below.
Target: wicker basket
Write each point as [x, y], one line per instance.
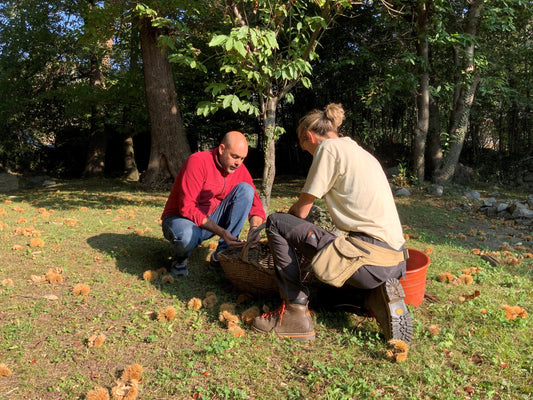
[250, 269]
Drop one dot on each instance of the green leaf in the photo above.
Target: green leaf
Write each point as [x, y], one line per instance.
[242, 33]
[228, 69]
[218, 40]
[205, 108]
[216, 88]
[306, 82]
[229, 43]
[235, 104]
[240, 49]
[226, 100]
[253, 37]
[271, 40]
[289, 98]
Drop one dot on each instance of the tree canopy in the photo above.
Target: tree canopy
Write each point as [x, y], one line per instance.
[428, 84]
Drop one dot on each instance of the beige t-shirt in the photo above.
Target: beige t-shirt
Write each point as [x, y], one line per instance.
[356, 190]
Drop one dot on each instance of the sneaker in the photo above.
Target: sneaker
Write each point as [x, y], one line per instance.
[386, 305]
[214, 263]
[179, 268]
[289, 320]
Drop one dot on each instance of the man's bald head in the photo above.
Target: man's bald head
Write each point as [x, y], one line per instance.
[232, 151]
[234, 138]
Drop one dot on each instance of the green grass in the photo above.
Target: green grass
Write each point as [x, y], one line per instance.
[477, 353]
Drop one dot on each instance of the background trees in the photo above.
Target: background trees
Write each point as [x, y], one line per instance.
[267, 52]
[425, 83]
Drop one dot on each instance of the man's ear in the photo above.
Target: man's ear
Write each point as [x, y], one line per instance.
[221, 148]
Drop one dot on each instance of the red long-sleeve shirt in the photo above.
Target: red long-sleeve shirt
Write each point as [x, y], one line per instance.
[202, 184]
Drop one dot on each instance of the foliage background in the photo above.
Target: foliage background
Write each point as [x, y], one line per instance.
[366, 61]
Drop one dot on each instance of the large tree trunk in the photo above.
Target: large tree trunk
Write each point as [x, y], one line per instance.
[464, 99]
[422, 98]
[131, 172]
[434, 148]
[269, 133]
[97, 146]
[169, 146]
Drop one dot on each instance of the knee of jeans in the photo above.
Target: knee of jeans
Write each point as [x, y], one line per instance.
[183, 242]
[167, 232]
[245, 189]
[183, 245]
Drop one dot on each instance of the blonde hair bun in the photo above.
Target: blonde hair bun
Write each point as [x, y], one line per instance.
[335, 113]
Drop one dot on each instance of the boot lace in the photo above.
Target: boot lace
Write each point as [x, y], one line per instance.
[279, 311]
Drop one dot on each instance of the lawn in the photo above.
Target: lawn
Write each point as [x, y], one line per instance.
[79, 309]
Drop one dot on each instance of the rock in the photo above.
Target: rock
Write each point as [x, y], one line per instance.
[489, 202]
[530, 200]
[403, 192]
[49, 183]
[523, 213]
[517, 205]
[392, 172]
[473, 195]
[501, 207]
[463, 174]
[37, 181]
[8, 183]
[435, 190]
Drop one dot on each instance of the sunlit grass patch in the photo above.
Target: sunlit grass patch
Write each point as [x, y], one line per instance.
[106, 235]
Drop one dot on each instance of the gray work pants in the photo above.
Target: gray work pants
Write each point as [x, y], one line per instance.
[295, 241]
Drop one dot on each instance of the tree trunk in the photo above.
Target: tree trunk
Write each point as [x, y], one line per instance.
[169, 146]
[434, 146]
[131, 173]
[269, 133]
[464, 100]
[422, 98]
[97, 146]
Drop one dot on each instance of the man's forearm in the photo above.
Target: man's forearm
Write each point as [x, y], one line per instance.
[212, 227]
[255, 221]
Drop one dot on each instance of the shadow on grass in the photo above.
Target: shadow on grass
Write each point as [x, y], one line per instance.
[136, 254]
[92, 193]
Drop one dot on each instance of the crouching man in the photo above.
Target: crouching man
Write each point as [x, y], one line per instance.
[213, 194]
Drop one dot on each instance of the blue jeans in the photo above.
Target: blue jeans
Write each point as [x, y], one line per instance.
[231, 213]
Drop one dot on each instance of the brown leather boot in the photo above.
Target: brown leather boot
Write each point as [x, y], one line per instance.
[289, 320]
[386, 304]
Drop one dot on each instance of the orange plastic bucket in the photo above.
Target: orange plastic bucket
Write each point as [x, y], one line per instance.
[414, 284]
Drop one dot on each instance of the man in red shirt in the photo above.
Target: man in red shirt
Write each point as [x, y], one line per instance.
[213, 194]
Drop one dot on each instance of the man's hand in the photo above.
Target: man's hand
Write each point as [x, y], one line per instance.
[231, 240]
[255, 238]
[255, 221]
